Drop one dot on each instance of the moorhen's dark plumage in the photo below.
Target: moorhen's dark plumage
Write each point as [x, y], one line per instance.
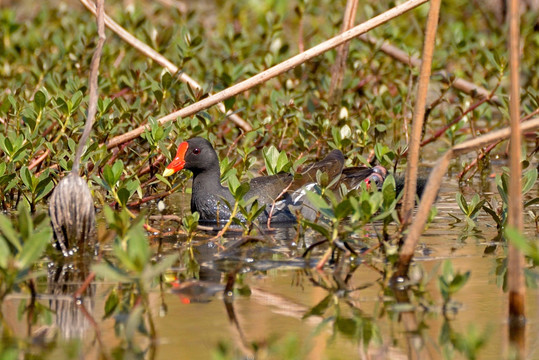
[198, 155]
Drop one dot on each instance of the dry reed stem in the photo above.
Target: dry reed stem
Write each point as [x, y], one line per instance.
[516, 261]
[71, 207]
[433, 185]
[94, 73]
[465, 86]
[339, 67]
[161, 60]
[419, 113]
[275, 70]
[429, 195]
[492, 136]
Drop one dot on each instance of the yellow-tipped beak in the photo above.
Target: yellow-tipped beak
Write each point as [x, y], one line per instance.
[168, 172]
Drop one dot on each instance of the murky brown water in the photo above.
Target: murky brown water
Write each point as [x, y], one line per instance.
[282, 292]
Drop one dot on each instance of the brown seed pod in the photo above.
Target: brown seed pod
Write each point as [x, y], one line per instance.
[72, 213]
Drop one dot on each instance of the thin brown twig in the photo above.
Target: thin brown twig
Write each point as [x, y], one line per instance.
[320, 264]
[77, 294]
[268, 224]
[94, 324]
[39, 160]
[274, 71]
[161, 60]
[150, 198]
[419, 112]
[158, 160]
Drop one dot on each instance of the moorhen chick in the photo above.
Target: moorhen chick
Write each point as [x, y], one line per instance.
[198, 155]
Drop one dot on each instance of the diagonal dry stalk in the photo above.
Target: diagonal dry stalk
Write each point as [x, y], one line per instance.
[463, 85]
[161, 60]
[338, 68]
[71, 206]
[275, 70]
[515, 259]
[419, 113]
[433, 185]
[94, 72]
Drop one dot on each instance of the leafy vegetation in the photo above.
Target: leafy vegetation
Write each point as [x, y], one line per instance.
[44, 66]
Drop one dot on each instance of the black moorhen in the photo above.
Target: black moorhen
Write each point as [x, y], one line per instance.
[198, 155]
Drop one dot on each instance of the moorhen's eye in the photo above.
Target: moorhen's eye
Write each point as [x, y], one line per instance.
[196, 151]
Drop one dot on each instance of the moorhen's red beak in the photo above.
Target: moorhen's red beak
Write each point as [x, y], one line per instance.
[179, 161]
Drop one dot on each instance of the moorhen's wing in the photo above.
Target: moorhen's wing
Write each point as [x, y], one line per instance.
[273, 187]
[269, 188]
[332, 165]
[352, 177]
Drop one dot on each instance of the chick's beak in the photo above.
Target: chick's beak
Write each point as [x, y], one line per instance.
[179, 160]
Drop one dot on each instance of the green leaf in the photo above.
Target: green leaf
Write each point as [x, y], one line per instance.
[39, 100]
[320, 308]
[138, 248]
[233, 183]
[25, 221]
[117, 170]
[461, 201]
[26, 178]
[4, 253]
[108, 175]
[476, 207]
[346, 326]
[134, 321]
[526, 204]
[524, 245]
[110, 273]
[9, 232]
[6, 179]
[318, 228]
[320, 204]
[43, 188]
[111, 303]
[447, 270]
[76, 100]
[33, 248]
[229, 103]
[271, 155]
[163, 180]
[458, 282]
[123, 196]
[530, 177]
[493, 214]
[388, 190]
[241, 191]
[162, 266]
[282, 162]
[343, 209]
[166, 80]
